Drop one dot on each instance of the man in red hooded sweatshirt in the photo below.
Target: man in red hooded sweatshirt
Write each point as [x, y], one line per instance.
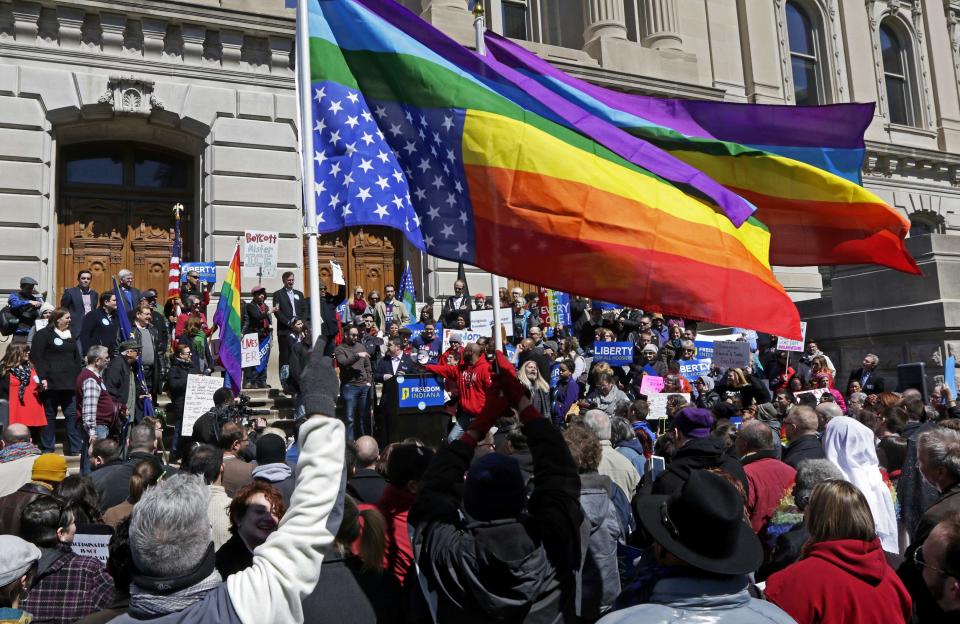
[472, 376]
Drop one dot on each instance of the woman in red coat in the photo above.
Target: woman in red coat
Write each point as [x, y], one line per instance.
[843, 576]
[23, 385]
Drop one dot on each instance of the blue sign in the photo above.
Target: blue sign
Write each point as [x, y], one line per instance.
[419, 392]
[415, 329]
[554, 375]
[613, 353]
[950, 375]
[691, 369]
[207, 271]
[704, 349]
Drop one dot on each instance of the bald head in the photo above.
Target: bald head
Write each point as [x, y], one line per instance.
[14, 433]
[829, 410]
[754, 436]
[367, 452]
[528, 344]
[800, 421]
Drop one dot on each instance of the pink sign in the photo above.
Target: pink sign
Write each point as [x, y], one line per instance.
[651, 385]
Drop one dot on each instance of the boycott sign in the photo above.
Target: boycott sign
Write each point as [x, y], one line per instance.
[481, 321]
[260, 253]
[658, 404]
[199, 398]
[249, 350]
[731, 354]
[691, 369]
[785, 344]
[613, 353]
[92, 540]
[419, 392]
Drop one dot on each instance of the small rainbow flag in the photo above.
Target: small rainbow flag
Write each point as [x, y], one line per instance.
[227, 318]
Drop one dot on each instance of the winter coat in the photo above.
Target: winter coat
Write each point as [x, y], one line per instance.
[279, 475]
[513, 570]
[395, 505]
[633, 450]
[841, 582]
[56, 360]
[607, 404]
[97, 332]
[696, 454]
[565, 395]
[599, 579]
[804, 447]
[177, 386]
[346, 594]
[472, 382]
[768, 479]
[707, 599]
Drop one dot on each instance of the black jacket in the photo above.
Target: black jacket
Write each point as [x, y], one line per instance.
[233, 556]
[56, 360]
[366, 485]
[328, 310]
[95, 332]
[113, 480]
[160, 361]
[348, 595]
[72, 300]
[874, 384]
[385, 367]
[177, 386]
[116, 378]
[299, 358]
[697, 454]
[804, 447]
[286, 313]
[518, 570]
[450, 309]
[255, 320]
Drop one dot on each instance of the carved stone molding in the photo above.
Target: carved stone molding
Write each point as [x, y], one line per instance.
[129, 95]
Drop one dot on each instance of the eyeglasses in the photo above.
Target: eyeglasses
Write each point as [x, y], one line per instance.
[921, 562]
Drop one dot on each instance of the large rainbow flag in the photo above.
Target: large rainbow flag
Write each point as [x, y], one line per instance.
[800, 166]
[484, 174]
[227, 318]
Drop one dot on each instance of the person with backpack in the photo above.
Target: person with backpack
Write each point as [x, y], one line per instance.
[22, 311]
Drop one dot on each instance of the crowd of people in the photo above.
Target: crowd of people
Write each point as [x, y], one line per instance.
[763, 493]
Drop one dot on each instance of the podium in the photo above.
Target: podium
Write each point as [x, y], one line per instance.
[412, 405]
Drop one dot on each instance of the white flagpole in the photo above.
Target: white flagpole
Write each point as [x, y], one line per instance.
[306, 161]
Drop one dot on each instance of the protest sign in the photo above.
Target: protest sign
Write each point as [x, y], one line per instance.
[816, 392]
[658, 404]
[704, 345]
[651, 385]
[249, 350]
[785, 344]
[613, 353]
[466, 336]
[92, 540]
[481, 321]
[950, 375]
[336, 274]
[419, 392]
[555, 375]
[691, 369]
[41, 323]
[206, 271]
[731, 354]
[199, 398]
[260, 253]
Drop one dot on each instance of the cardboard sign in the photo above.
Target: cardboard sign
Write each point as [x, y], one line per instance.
[613, 353]
[260, 250]
[206, 271]
[466, 335]
[658, 404]
[731, 354]
[481, 321]
[651, 385]
[198, 399]
[785, 344]
[691, 369]
[92, 540]
[419, 392]
[249, 350]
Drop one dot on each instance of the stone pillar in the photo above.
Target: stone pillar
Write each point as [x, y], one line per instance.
[113, 25]
[154, 31]
[25, 18]
[71, 22]
[450, 16]
[603, 18]
[232, 46]
[281, 53]
[661, 25]
[193, 37]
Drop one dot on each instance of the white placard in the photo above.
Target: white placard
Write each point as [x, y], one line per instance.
[481, 321]
[249, 350]
[199, 399]
[41, 323]
[260, 250]
[731, 354]
[785, 344]
[465, 334]
[337, 274]
[658, 404]
[816, 392]
[96, 545]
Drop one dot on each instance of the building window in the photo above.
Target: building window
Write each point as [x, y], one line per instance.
[898, 74]
[805, 41]
[515, 20]
[555, 22]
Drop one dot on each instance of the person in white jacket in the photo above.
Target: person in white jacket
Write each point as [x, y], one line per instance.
[174, 578]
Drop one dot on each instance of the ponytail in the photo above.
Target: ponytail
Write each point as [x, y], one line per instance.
[146, 474]
[372, 534]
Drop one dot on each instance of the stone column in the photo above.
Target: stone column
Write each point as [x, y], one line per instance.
[25, 18]
[603, 18]
[193, 38]
[660, 24]
[113, 25]
[71, 22]
[450, 16]
[154, 31]
[232, 46]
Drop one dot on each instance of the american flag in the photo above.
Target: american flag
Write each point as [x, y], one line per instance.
[173, 287]
[393, 165]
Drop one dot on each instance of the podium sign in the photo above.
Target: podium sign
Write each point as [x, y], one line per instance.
[419, 393]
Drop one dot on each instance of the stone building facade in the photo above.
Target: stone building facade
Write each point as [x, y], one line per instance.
[110, 112]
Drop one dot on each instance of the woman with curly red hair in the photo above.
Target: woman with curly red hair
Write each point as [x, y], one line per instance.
[255, 512]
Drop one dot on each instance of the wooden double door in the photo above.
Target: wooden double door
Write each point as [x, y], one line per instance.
[104, 235]
[370, 257]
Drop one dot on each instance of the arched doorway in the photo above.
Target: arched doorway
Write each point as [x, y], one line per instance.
[115, 212]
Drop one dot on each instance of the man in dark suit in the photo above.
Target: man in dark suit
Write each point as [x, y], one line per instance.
[290, 305]
[100, 327]
[328, 314]
[458, 303]
[870, 382]
[131, 295]
[80, 300]
[394, 363]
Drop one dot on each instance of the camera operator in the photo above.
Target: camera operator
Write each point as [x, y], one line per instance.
[228, 409]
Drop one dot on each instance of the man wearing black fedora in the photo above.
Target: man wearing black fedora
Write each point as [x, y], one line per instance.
[704, 550]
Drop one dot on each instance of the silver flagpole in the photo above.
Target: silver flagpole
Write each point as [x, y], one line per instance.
[306, 161]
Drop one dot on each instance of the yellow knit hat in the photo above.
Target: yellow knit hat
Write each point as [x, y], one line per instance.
[49, 467]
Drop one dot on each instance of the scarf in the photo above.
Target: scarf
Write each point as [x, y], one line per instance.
[18, 450]
[22, 373]
[64, 334]
[151, 597]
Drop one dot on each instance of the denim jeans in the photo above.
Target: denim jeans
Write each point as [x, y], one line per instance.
[54, 400]
[459, 426]
[355, 404]
[101, 432]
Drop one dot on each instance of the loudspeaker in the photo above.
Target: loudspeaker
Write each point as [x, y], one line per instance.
[913, 375]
